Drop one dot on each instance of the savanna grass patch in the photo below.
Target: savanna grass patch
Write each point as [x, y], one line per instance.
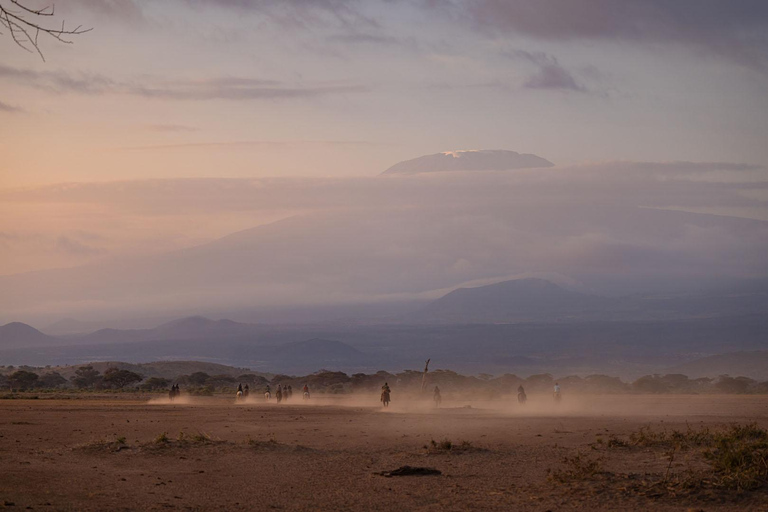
[733, 458]
[577, 468]
[273, 445]
[448, 446]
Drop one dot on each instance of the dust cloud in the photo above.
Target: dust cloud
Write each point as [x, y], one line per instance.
[538, 405]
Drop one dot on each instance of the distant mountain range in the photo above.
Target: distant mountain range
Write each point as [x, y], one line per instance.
[266, 348]
[524, 325]
[520, 300]
[469, 160]
[189, 328]
[538, 300]
[70, 326]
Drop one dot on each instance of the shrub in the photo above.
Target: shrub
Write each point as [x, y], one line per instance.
[740, 457]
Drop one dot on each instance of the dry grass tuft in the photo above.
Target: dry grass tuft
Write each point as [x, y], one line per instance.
[577, 468]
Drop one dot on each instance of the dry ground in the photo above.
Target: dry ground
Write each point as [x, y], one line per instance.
[103, 453]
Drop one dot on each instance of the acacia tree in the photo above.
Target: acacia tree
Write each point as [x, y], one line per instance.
[51, 380]
[22, 379]
[86, 376]
[118, 378]
[25, 24]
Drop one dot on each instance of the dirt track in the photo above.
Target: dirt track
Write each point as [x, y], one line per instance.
[64, 454]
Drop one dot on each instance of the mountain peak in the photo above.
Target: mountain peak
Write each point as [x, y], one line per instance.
[18, 334]
[469, 160]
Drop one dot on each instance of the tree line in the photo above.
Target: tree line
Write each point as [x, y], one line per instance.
[483, 385]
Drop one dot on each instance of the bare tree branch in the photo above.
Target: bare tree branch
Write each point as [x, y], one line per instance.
[25, 24]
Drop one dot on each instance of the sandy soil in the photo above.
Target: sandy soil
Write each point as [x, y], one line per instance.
[63, 454]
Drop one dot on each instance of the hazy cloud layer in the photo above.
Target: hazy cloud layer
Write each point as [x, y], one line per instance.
[734, 29]
[219, 88]
[619, 227]
[731, 29]
[5, 107]
[248, 143]
[683, 184]
[297, 13]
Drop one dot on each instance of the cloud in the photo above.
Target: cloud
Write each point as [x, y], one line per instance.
[71, 246]
[733, 29]
[58, 81]
[298, 13]
[212, 91]
[553, 76]
[247, 143]
[550, 74]
[630, 184]
[5, 107]
[121, 11]
[354, 37]
[218, 88]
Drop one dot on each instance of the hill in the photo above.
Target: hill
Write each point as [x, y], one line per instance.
[73, 326]
[538, 300]
[188, 328]
[20, 335]
[472, 160]
[519, 300]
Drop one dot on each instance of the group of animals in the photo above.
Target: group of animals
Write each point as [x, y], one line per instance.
[286, 392]
[243, 392]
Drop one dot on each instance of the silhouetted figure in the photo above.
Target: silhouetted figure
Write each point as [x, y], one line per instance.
[279, 395]
[385, 394]
[436, 397]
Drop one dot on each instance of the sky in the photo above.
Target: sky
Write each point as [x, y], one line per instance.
[172, 124]
[239, 88]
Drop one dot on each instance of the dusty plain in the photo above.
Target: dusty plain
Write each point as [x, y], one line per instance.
[108, 452]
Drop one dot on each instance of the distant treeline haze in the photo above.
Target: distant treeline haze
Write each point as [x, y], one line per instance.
[86, 377]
